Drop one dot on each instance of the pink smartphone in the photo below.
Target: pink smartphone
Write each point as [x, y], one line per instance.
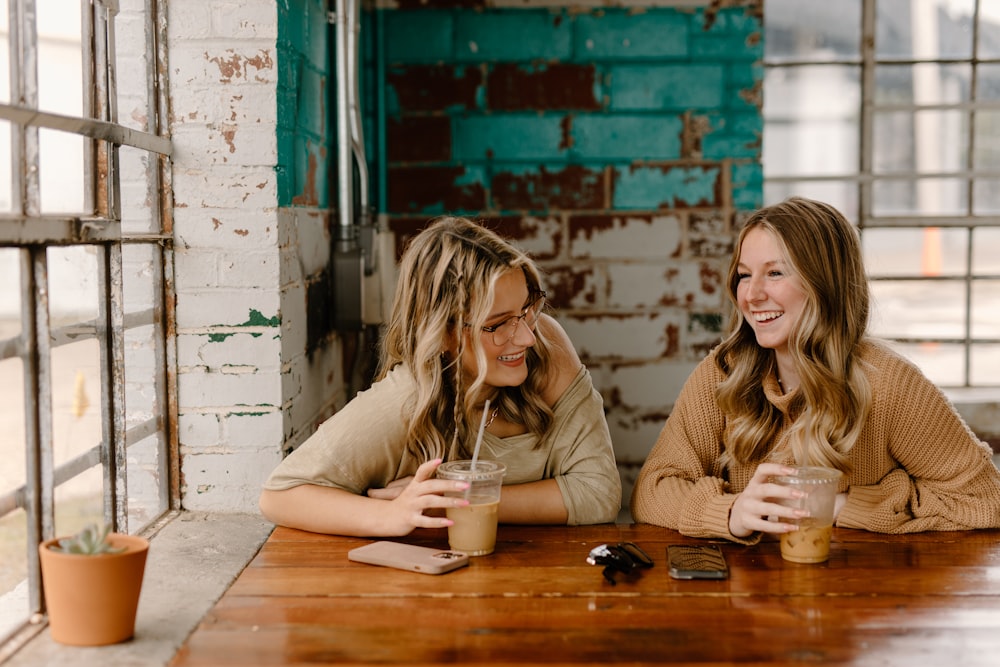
[409, 557]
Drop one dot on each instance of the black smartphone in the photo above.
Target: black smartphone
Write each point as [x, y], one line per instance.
[696, 561]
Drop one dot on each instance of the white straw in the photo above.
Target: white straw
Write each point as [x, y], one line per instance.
[479, 438]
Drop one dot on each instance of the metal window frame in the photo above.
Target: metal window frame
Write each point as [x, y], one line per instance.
[865, 178]
[32, 232]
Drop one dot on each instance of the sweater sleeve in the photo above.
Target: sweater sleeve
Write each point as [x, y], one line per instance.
[678, 486]
[944, 477]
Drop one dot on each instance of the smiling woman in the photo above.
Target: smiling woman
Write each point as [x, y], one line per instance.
[467, 327]
[799, 381]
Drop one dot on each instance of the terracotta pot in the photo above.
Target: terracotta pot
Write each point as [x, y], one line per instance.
[92, 600]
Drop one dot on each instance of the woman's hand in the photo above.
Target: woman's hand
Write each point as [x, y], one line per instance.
[758, 507]
[409, 498]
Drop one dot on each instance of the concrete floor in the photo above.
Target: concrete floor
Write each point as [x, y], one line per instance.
[192, 560]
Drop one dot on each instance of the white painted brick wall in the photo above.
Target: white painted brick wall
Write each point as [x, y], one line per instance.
[245, 384]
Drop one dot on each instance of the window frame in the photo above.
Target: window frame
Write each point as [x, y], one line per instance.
[26, 228]
[866, 178]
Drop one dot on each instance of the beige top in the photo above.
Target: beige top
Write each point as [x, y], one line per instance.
[363, 446]
[917, 466]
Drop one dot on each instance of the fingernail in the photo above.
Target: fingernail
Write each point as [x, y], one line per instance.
[463, 485]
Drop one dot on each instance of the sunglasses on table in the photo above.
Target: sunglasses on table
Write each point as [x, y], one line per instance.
[624, 558]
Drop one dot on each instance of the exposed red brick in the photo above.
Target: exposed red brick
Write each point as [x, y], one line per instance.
[566, 133]
[412, 189]
[434, 87]
[566, 285]
[574, 187]
[308, 196]
[418, 139]
[712, 279]
[513, 87]
[673, 336]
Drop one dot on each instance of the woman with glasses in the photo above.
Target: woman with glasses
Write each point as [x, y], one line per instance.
[798, 380]
[467, 327]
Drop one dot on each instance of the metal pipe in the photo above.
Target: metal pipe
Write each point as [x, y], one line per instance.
[345, 168]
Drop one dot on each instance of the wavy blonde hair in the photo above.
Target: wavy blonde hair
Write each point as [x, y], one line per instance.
[445, 290]
[824, 251]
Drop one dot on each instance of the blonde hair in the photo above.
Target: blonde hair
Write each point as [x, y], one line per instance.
[446, 284]
[824, 251]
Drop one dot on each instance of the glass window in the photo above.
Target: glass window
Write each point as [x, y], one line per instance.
[85, 369]
[917, 164]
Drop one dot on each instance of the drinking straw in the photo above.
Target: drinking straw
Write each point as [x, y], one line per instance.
[479, 437]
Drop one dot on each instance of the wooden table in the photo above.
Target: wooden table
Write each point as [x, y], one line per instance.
[926, 599]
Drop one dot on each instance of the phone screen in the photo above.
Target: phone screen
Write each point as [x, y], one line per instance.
[696, 561]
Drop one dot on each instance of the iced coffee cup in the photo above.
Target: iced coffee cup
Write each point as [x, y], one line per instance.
[474, 530]
[811, 542]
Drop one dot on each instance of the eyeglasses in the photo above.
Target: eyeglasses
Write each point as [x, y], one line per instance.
[505, 330]
[623, 557]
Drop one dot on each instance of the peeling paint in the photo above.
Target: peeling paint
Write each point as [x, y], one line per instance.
[754, 8]
[435, 87]
[236, 66]
[257, 319]
[228, 134]
[574, 187]
[308, 197]
[694, 129]
[549, 86]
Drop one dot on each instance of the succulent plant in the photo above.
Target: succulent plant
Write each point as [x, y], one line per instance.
[90, 541]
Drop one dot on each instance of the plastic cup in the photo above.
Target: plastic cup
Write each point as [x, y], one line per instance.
[811, 542]
[474, 530]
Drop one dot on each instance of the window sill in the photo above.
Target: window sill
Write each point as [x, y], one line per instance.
[193, 559]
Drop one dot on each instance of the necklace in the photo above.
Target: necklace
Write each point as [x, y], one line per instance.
[493, 415]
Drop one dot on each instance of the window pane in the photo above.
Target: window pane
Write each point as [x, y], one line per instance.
[987, 141]
[61, 171]
[928, 251]
[985, 365]
[986, 251]
[918, 309]
[138, 205]
[922, 83]
[926, 196]
[812, 29]
[842, 195]
[4, 49]
[943, 364]
[6, 199]
[986, 196]
[811, 121]
[921, 141]
[986, 309]
[14, 604]
[988, 79]
[923, 29]
[989, 30]
[60, 59]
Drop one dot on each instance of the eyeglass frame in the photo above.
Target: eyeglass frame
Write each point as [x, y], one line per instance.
[538, 303]
[624, 557]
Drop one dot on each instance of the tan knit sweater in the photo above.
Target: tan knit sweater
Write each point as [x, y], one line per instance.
[917, 466]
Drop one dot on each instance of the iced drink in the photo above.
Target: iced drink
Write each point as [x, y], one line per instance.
[811, 542]
[808, 544]
[475, 526]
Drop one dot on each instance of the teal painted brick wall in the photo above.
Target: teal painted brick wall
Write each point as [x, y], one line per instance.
[305, 135]
[595, 89]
